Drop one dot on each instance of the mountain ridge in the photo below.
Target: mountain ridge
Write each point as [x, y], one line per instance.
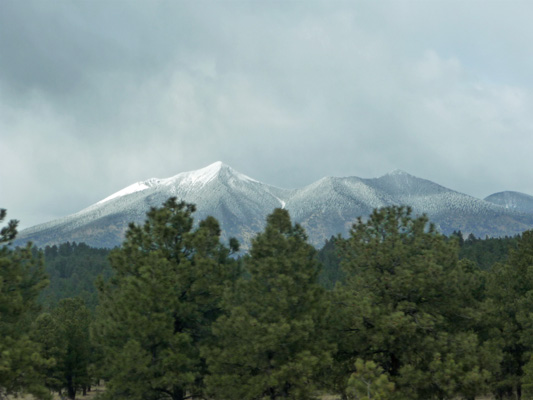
[326, 207]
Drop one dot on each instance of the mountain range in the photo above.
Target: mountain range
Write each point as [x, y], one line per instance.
[324, 208]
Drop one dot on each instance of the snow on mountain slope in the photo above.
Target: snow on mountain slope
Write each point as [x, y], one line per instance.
[326, 207]
[425, 196]
[515, 201]
[451, 210]
[136, 187]
[331, 205]
[240, 203]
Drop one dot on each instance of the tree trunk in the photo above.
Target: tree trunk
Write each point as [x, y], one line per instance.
[395, 365]
[71, 393]
[178, 394]
[71, 390]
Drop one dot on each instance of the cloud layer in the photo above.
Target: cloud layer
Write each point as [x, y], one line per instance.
[95, 96]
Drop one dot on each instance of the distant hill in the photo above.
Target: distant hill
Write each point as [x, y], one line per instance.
[326, 207]
[515, 201]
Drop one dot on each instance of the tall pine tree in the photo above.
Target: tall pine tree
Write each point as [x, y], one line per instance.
[157, 309]
[22, 277]
[407, 305]
[270, 343]
[64, 336]
[509, 318]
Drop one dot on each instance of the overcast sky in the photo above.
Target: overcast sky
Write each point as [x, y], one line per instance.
[97, 95]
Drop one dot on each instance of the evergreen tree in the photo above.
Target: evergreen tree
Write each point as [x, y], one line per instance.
[527, 380]
[21, 279]
[64, 336]
[73, 269]
[408, 306]
[269, 345]
[331, 271]
[509, 317]
[45, 332]
[369, 381]
[157, 309]
[487, 252]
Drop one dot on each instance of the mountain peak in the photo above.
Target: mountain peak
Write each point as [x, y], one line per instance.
[217, 165]
[196, 178]
[203, 176]
[397, 172]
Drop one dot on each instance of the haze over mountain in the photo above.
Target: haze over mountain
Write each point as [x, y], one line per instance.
[326, 207]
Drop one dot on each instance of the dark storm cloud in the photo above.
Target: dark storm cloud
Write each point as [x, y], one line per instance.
[97, 95]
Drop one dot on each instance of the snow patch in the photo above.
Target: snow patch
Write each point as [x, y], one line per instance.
[136, 187]
[197, 178]
[283, 203]
[202, 177]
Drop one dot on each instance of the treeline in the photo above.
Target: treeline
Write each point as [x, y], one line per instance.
[72, 269]
[394, 311]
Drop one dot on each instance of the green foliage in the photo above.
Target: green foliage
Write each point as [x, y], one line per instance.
[73, 269]
[485, 252]
[270, 344]
[408, 306]
[64, 336]
[21, 279]
[527, 386]
[329, 258]
[156, 311]
[508, 314]
[45, 332]
[369, 381]
[413, 315]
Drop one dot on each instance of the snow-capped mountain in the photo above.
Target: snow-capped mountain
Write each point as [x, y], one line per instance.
[333, 204]
[241, 204]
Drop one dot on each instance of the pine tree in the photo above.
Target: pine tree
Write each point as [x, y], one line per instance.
[270, 343]
[157, 309]
[73, 269]
[369, 381]
[64, 336]
[508, 314]
[328, 257]
[408, 306]
[21, 279]
[45, 331]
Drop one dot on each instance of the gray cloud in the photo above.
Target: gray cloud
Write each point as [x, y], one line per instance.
[95, 96]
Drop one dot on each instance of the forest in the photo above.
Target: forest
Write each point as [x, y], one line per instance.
[394, 311]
